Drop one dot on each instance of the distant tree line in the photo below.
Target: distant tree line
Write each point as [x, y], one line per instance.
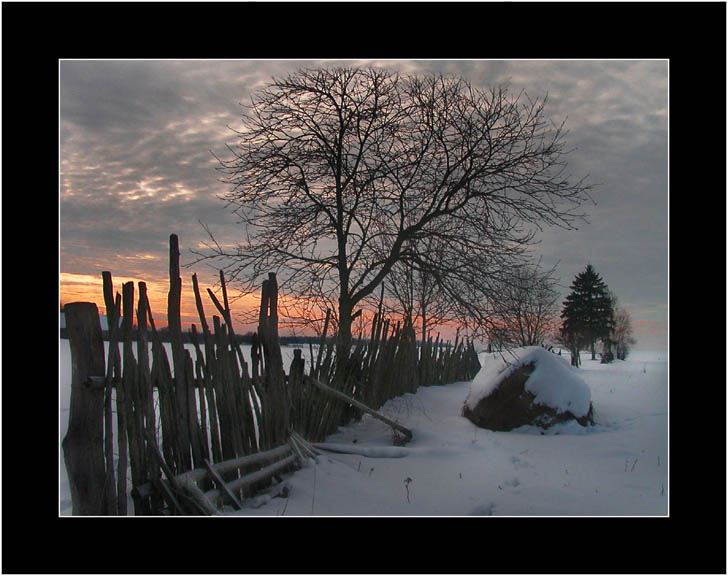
[164, 335]
[246, 338]
[527, 314]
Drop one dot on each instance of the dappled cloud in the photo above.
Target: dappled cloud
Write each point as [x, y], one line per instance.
[139, 140]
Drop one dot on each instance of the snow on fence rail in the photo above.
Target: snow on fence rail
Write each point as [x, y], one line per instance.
[214, 419]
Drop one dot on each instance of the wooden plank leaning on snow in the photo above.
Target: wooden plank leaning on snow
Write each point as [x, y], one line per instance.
[363, 407]
[367, 451]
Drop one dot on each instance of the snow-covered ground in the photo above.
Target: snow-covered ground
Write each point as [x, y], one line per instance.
[452, 468]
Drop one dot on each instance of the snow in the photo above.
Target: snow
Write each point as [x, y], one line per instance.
[618, 467]
[554, 382]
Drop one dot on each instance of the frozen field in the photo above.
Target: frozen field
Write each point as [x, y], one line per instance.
[619, 467]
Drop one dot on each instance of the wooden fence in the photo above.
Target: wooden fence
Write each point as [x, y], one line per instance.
[197, 433]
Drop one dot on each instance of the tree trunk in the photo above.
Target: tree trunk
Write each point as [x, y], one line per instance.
[424, 323]
[345, 322]
[343, 341]
[575, 358]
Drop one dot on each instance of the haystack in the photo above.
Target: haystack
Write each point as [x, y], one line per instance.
[527, 386]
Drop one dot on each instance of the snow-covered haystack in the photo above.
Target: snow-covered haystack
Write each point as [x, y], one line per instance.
[527, 386]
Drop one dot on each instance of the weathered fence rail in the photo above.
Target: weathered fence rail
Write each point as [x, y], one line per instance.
[197, 433]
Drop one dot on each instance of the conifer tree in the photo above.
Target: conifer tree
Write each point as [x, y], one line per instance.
[588, 315]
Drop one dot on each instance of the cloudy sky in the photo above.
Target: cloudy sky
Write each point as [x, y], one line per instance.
[137, 137]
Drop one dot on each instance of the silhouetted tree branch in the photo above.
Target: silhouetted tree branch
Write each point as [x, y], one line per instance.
[339, 175]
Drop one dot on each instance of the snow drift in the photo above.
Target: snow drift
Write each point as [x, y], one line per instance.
[527, 386]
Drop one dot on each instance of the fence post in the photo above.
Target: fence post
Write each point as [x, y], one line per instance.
[83, 445]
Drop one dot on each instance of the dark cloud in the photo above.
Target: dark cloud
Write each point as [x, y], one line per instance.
[136, 164]
[615, 114]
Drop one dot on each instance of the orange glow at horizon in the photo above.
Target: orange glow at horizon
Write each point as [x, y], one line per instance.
[244, 307]
[90, 288]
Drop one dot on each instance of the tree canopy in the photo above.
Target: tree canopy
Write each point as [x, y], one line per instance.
[527, 312]
[340, 174]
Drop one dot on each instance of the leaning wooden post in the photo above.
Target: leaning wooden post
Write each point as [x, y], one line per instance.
[210, 363]
[83, 445]
[363, 407]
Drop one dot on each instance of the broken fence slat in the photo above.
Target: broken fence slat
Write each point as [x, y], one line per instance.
[302, 445]
[196, 498]
[256, 476]
[296, 449]
[229, 465]
[168, 495]
[152, 443]
[221, 484]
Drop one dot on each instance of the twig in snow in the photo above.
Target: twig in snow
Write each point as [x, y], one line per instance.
[406, 486]
[633, 464]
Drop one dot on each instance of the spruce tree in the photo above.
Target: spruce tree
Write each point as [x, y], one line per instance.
[588, 314]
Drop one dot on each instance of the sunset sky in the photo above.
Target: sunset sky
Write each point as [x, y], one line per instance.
[137, 139]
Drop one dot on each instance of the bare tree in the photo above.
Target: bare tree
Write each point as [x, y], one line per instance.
[573, 342]
[415, 294]
[622, 333]
[339, 174]
[527, 311]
